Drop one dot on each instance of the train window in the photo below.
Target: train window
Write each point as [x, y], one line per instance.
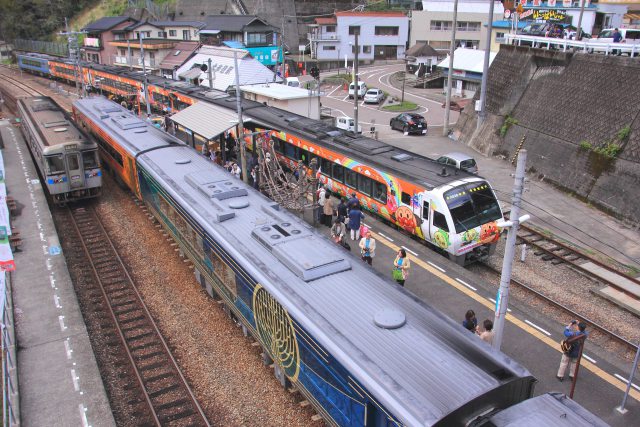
[364, 185]
[325, 166]
[380, 191]
[290, 151]
[304, 156]
[223, 272]
[425, 210]
[74, 161]
[55, 164]
[90, 159]
[440, 221]
[311, 157]
[350, 178]
[338, 173]
[405, 198]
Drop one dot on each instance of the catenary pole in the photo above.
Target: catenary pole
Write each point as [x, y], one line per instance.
[621, 408]
[144, 73]
[502, 299]
[579, 29]
[240, 135]
[355, 84]
[485, 67]
[452, 48]
[210, 74]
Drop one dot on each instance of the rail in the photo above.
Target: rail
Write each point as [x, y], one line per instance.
[587, 46]
[10, 392]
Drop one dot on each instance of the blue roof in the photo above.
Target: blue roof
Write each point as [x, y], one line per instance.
[234, 44]
[507, 24]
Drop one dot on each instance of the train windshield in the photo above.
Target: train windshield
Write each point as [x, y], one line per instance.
[472, 205]
[90, 159]
[55, 164]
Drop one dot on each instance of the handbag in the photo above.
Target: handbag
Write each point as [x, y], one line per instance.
[566, 346]
[396, 273]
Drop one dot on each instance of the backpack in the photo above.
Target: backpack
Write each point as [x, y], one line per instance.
[566, 346]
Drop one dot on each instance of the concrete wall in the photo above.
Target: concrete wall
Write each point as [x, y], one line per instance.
[559, 100]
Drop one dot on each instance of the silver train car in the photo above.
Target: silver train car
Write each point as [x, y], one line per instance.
[67, 160]
[361, 349]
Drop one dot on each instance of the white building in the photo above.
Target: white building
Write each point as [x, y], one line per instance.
[223, 73]
[434, 23]
[467, 70]
[382, 35]
[296, 100]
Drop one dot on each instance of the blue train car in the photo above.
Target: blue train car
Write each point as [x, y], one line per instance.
[34, 63]
[362, 350]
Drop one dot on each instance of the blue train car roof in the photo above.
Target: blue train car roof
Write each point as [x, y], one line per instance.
[128, 130]
[421, 371]
[551, 409]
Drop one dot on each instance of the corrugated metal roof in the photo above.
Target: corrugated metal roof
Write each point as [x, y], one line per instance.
[421, 49]
[551, 409]
[191, 74]
[206, 119]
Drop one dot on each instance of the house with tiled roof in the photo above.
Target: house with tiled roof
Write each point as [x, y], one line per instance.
[381, 36]
[96, 46]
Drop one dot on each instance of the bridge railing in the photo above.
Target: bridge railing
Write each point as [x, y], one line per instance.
[587, 45]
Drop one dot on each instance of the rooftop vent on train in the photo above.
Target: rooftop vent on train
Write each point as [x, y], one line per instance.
[402, 157]
[300, 250]
[210, 184]
[128, 122]
[389, 318]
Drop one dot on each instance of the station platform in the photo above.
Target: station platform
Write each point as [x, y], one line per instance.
[59, 383]
[530, 337]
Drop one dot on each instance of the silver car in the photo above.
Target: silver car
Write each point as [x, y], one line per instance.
[459, 161]
[373, 96]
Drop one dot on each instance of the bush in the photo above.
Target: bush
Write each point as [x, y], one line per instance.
[404, 106]
[623, 134]
[586, 145]
[609, 149]
[508, 122]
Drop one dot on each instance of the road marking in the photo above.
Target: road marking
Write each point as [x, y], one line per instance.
[466, 284]
[68, 349]
[410, 251]
[56, 299]
[544, 331]
[406, 92]
[74, 378]
[588, 365]
[589, 358]
[435, 266]
[494, 301]
[334, 89]
[61, 321]
[386, 237]
[626, 381]
[83, 415]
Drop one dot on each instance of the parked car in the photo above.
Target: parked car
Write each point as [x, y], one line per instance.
[409, 123]
[347, 123]
[630, 36]
[459, 161]
[362, 89]
[373, 96]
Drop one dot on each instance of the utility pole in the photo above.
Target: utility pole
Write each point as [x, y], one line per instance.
[579, 29]
[621, 408]
[210, 72]
[144, 73]
[404, 79]
[355, 84]
[72, 40]
[275, 75]
[485, 68]
[452, 48]
[240, 134]
[502, 299]
[129, 55]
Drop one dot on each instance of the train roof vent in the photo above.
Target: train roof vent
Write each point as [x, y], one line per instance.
[312, 260]
[105, 108]
[56, 123]
[402, 157]
[43, 104]
[210, 185]
[369, 147]
[127, 122]
[389, 318]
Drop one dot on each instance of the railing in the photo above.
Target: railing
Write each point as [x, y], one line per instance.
[133, 62]
[10, 396]
[323, 37]
[587, 45]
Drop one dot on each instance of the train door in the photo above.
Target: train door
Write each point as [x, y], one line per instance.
[74, 170]
[424, 215]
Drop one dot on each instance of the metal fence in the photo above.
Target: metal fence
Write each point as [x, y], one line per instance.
[586, 45]
[10, 397]
[50, 48]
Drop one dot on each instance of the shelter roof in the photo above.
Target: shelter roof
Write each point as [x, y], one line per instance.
[421, 49]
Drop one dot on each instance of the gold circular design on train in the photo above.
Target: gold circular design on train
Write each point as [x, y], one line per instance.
[276, 331]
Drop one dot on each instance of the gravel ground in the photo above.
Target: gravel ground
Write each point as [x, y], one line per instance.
[225, 370]
[571, 289]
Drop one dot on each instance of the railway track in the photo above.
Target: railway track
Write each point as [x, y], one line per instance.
[146, 366]
[572, 314]
[15, 82]
[557, 252]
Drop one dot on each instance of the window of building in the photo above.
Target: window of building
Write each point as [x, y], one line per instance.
[354, 29]
[437, 44]
[468, 26]
[160, 34]
[353, 48]
[366, 49]
[441, 26]
[386, 31]
[328, 48]
[469, 44]
[186, 35]
[172, 33]
[256, 38]
[330, 28]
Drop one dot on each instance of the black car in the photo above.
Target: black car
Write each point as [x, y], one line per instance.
[409, 123]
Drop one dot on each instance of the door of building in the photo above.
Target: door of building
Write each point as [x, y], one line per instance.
[385, 52]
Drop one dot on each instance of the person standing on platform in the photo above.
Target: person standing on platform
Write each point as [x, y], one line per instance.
[355, 216]
[320, 196]
[353, 202]
[327, 209]
[342, 210]
[574, 332]
[367, 248]
[401, 267]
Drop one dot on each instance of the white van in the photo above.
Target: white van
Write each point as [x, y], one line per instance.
[347, 123]
[362, 89]
[630, 36]
[303, 82]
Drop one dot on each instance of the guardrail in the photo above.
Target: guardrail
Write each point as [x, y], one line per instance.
[10, 397]
[588, 45]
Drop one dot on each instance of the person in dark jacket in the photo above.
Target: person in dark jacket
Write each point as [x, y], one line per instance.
[353, 202]
[573, 331]
[342, 210]
[470, 322]
[617, 38]
[355, 216]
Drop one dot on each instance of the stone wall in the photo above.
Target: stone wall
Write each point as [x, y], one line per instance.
[563, 102]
